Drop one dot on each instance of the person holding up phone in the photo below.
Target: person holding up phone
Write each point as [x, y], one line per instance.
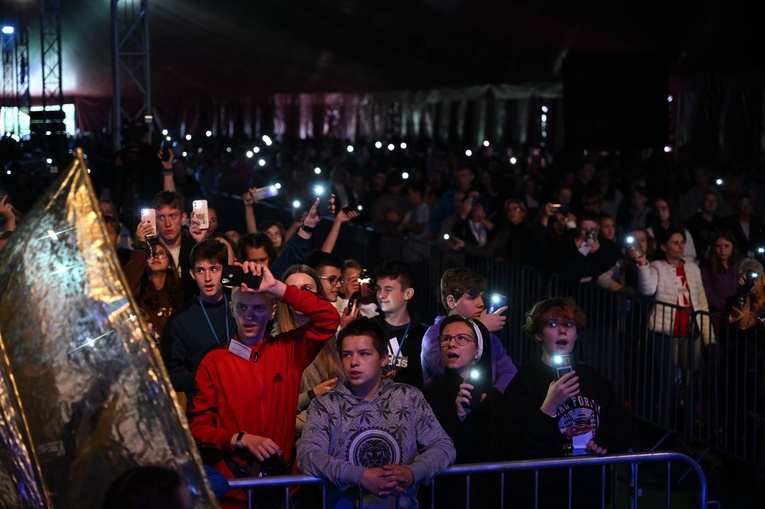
[467, 407]
[246, 390]
[546, 416]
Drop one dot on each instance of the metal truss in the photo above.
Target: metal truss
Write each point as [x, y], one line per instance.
[132, 75]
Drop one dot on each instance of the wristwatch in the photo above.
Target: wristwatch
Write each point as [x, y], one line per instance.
[238, 444]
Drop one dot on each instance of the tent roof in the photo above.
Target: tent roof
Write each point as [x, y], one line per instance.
[224, 49]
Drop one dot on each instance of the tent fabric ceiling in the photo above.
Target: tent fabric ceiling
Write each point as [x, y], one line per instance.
[227, 49]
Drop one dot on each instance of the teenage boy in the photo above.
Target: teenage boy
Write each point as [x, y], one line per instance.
[462, 293]
[204, 322]
[329, 269]
[246, 396]
[371, 432]
[395, 288]
[170, 219]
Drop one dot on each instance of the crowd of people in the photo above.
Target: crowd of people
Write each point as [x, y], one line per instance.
[290, 358]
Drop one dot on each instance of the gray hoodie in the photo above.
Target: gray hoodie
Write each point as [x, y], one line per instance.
[344, 435]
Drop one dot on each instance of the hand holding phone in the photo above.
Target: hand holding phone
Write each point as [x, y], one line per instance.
[150, 216]
[562, 365]
[233, 275]
[199, 210]
[480, 383]
[265, 192]
[166, 153]
[496, 301]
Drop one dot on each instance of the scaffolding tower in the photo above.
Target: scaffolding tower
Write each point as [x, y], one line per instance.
[50, 33]
[9, 78]
[132, 77]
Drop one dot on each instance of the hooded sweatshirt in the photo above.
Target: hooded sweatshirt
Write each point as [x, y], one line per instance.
[345, 434]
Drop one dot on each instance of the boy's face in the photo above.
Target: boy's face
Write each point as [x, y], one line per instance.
[208, 274]
[467, 305]
[114, 236]
[252, 311]
[362, 363]
[557, 337]
[169, 221]
[331, 288]
[390, 295]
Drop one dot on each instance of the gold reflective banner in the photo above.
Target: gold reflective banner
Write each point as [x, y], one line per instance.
[83, 392]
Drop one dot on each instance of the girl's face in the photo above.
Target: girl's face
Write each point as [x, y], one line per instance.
[674, 248]
[608, 228]
[723, 249]
[159, 262]
[662, 210]
[275, 234]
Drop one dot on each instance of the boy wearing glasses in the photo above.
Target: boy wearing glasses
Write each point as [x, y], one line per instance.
[462, 293]
[371, 432]
[566, 411]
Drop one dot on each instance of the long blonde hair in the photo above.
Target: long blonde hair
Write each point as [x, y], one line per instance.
[327, 364]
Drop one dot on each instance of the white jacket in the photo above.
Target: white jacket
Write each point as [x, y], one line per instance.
[659, 279]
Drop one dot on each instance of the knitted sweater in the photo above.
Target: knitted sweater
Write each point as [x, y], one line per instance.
[659, 279]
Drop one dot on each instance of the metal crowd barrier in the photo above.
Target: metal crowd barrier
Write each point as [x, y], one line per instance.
[627, 486]
[711, 395]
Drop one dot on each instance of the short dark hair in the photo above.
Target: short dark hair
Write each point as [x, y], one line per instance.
[364, 326]
[459, 281]
[318, 259]
[169, 199]
[454, 319]
[209, 250]
[418, 186]
[113, 223]
[663, 236]
[145, 487]
[256, 241]
[559, 308]
[396, 268]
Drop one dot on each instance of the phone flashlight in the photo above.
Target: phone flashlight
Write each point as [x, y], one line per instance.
[446, 236]
[319, 190]
[496, 301]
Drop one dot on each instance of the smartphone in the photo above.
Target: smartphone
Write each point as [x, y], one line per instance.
[165, 149]
[353, 300]
[752, 277]
[589, 236]
[265, 192]
[480, 383]
[199, 210]
[562, 365]
[634, 246]
[496, 301]
[150, 216]
[233, 275]
[560, 209]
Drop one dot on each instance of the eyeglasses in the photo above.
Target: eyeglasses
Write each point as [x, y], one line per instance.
[161, 255]
[460, 339]
[333, 280]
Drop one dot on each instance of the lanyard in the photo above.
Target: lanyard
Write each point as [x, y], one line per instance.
[401, 345]
[225, 300]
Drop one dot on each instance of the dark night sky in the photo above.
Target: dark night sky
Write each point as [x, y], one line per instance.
[230, 48]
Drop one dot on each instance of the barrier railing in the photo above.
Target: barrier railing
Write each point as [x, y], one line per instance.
[714, 395]
[626, 486]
